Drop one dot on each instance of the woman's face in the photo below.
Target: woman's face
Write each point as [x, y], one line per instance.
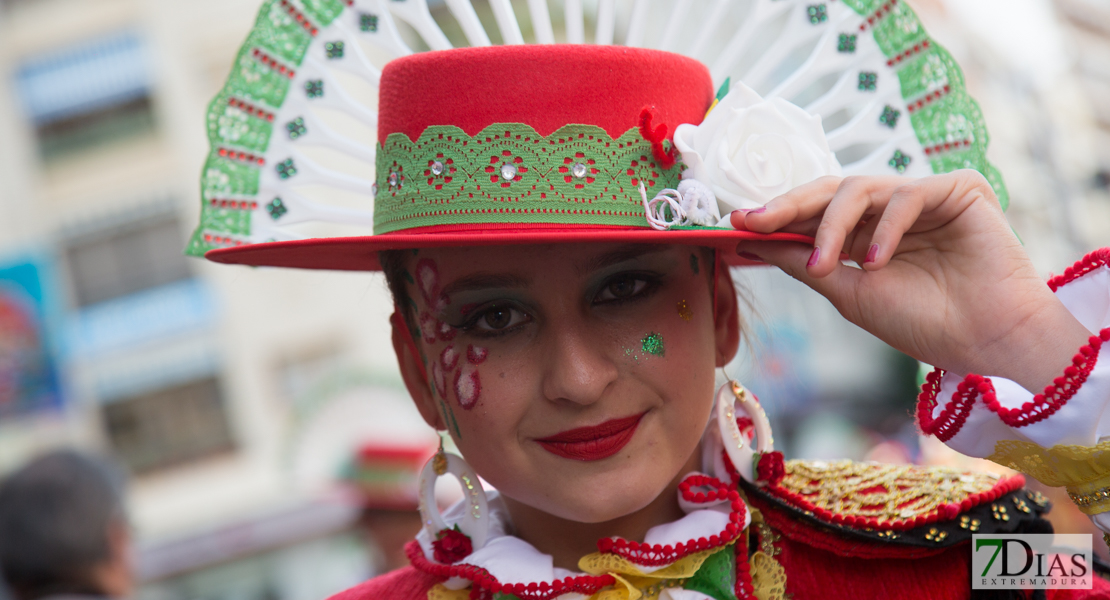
[574, 378]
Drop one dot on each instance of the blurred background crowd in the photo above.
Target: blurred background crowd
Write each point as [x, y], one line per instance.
[252, 422]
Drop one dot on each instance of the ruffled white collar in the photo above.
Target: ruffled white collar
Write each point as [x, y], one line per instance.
[512, 560]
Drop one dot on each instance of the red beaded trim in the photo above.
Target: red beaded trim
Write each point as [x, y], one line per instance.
[251, 109]
[928, 99]
[744, 587]
[299, 17]
[946, 146]
[636, 552]
[916, 49]
[484, 584]
[1092, 261]
[946, 425]
[657, 555]
[952, 417]
[883, 11]
[264, 58]
[943, 512]
[1055, 396]
[1041, 407]
[239, 155]
[233, 204]
[222, 241]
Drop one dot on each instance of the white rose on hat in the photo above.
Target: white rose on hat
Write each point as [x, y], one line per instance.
[749, 150]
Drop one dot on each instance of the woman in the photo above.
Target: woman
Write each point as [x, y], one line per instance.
[559, 263]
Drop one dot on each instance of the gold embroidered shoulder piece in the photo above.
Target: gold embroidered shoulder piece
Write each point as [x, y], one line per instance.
[882, 496]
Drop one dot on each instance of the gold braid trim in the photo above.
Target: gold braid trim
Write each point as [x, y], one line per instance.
[768, 576]
[1084, 470]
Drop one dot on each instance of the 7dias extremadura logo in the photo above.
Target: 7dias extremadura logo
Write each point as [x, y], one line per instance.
[1031, 561]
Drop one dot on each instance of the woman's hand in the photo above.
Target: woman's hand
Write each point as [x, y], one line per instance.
[943, 277]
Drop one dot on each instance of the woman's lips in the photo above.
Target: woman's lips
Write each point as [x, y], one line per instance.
[593, 443]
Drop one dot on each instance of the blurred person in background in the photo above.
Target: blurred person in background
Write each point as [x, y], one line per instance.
[63, 529]
[386, 481]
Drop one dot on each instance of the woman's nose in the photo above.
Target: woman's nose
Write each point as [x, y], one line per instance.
[578, 368]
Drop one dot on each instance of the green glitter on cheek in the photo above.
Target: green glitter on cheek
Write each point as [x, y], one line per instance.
[694, 264]
[408, 277]
[653, 344]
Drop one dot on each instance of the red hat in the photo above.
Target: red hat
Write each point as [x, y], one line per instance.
[536, 144]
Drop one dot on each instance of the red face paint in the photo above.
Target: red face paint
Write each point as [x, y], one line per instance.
[446, 332]
[595, 442]
[428, 325]
[449, 358]
[468, 386]
[427, 279]
[476, 355]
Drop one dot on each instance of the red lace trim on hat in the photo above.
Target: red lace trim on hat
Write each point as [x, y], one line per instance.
[484, 585]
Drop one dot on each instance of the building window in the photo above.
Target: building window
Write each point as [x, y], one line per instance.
[88, 95]
[126, 259]
[170, 426]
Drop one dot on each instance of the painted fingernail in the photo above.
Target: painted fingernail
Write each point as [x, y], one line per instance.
[749, 256]
[872, 253]
[756, 211]
[816, 256]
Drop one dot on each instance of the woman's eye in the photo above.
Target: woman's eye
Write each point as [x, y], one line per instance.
[620, 289]
[498, 318]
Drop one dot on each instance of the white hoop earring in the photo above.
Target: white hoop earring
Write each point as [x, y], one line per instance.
[476, 522]
[732, 399]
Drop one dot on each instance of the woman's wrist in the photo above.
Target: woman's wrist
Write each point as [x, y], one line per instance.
[1038, 351]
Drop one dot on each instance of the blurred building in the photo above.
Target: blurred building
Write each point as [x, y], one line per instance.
[235, 395]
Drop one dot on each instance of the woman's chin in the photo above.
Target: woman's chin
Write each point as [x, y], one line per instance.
[594, 502]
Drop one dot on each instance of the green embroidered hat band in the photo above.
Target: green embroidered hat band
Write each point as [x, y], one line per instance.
[556, 143]
[508, 173]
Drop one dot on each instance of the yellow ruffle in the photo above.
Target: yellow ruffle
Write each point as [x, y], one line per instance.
[631, 582]
[768, 577]
[1084, 470]
[438, 592]
[599, 564]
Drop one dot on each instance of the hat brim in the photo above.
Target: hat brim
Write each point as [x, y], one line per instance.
[361, 253]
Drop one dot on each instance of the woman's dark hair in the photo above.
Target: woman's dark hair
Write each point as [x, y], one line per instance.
[393, 266]
[55, 516]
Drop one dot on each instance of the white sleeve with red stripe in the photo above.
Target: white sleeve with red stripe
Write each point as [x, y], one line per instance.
[972, 414]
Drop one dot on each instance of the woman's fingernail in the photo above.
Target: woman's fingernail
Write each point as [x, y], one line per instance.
[749, 256]
[756, 211]
[872, 253]
[816, 256]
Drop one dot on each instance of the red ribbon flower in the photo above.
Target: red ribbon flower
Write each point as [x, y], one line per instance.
[657, 136]
[771, 468]
[451, 546]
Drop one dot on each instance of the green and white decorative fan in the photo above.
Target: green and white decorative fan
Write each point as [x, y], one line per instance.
[892, 101]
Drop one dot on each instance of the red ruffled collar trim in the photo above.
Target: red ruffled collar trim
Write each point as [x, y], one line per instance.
[484, 585]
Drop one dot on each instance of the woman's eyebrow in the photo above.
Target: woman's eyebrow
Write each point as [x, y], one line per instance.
[481, 281]
[622, 254]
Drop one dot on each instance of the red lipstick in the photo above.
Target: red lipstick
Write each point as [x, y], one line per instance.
[593, 443]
